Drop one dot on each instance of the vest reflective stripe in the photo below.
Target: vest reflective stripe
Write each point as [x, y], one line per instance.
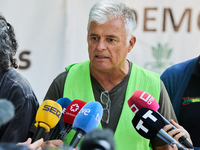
[78, 86]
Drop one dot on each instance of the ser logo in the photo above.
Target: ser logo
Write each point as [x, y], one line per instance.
[52, 109]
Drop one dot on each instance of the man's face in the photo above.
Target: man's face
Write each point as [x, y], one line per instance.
[107, 45]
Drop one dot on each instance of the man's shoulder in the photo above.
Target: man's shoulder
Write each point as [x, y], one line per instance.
[179, 67]
[174, 76]
[17, 87]
[61, 76]
[14, 78]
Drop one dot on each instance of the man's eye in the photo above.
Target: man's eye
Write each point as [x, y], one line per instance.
[111, 40]
[94, 38]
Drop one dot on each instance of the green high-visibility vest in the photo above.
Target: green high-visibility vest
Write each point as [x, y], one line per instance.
[78, 86]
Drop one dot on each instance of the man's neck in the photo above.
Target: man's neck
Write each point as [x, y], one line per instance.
[110, 79]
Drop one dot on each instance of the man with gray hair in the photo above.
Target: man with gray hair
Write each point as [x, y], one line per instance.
[110, 78]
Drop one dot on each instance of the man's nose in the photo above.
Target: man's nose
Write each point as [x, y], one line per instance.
[101, 45]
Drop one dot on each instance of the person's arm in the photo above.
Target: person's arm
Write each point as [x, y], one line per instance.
[171, 117]
[166, 110]
[17, 130]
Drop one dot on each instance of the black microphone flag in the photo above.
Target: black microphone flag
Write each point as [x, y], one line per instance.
[149, 124]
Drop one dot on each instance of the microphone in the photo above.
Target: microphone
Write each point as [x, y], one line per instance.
[64, 102]
[47, 116]
[69, 116]
[98, 139]
[86, 120]
[7, 111]
[149, 123]
[141, 99]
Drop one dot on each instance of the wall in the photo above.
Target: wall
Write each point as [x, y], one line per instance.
[52, 34]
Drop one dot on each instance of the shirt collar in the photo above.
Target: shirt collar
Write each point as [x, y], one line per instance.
[196, 70]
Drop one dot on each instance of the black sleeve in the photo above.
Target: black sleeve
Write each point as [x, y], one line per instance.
[56, 88]
[17, 130]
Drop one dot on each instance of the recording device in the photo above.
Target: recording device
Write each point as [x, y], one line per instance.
[98, 139]
[86, 120]
[47, 116]
[69, 116]
[7, 111]
[141, 99]
[64, 102]
[149, 124]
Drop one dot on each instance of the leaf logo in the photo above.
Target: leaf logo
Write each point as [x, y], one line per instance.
[161, 53]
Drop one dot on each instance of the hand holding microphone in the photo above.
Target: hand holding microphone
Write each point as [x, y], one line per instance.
[149, 124]
[141, 99]
[178, 132]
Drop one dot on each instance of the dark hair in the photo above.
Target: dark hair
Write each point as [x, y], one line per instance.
[8, 45]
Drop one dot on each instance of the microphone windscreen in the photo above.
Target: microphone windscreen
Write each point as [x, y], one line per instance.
[64, 102]
[98, 139]
[88, 117]
[147, 123]
[72, 110]
[141, 99]
[48, 114]
[7, 111]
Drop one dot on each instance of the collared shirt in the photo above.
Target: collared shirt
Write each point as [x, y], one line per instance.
[190, 108]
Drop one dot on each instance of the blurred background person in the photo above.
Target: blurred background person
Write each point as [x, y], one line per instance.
[15, 88]
[182, 82]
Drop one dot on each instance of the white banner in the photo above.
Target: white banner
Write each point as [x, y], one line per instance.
[53, 34]
[40, 31]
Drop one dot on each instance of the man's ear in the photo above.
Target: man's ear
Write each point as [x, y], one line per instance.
[131, 44]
